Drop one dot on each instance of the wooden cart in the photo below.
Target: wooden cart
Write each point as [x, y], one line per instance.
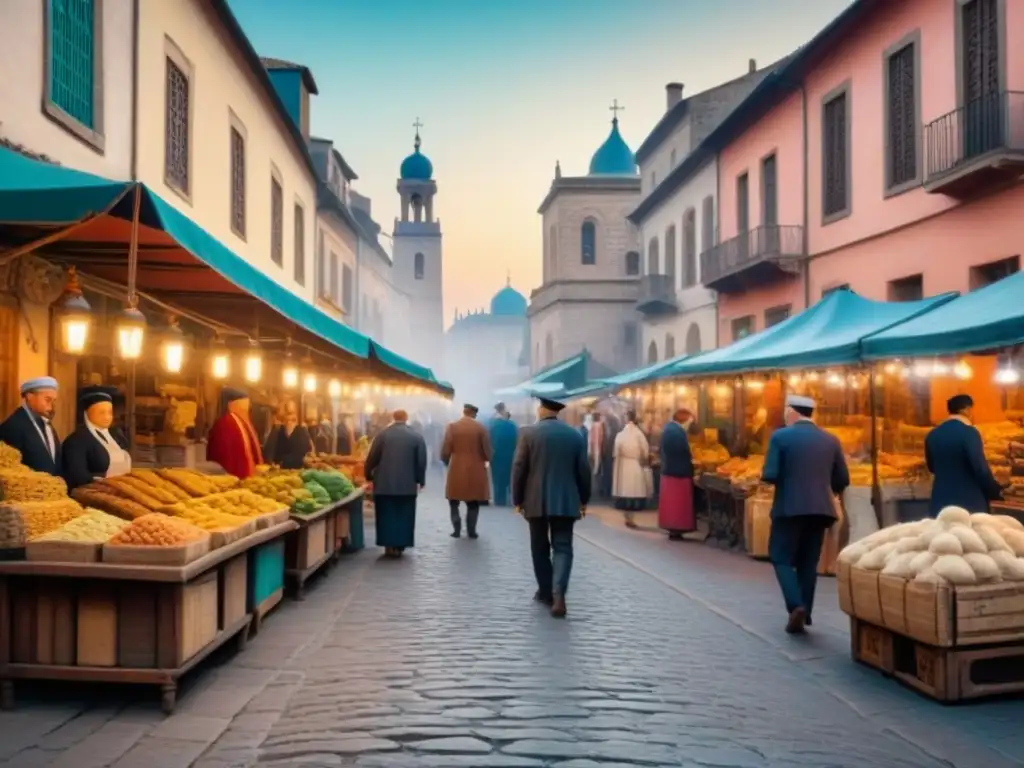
[100, 622]
[318, 541]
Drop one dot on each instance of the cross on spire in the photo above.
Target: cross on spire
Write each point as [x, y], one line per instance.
[615, 109]
[508, 278]
[417, 125]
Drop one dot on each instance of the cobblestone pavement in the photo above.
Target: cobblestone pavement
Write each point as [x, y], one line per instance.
[673, 655]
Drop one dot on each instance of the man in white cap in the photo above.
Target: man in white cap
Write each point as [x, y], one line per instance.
[29, 430]
[807, 467]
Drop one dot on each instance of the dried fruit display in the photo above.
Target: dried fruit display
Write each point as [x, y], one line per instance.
[194, 484]
[40, 517]
[127, 487]
[94, 527]
[156, 530]
[10, 457]
[210, 518]
[241, 503]
[153, 480]
[956, 548]
[22, 484]
[100, 497]
[156, 492]
[223, 482]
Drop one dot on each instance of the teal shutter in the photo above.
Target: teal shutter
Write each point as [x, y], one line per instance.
[72, 58]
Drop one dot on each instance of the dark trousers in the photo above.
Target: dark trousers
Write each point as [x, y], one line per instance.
[551, 549]
[472, 514]
[794, 547]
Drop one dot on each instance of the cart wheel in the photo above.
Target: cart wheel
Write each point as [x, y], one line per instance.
[168, 697]
[7, 695]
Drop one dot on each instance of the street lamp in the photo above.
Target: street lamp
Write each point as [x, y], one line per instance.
[131, 331]
[74, 316]
[173, 348]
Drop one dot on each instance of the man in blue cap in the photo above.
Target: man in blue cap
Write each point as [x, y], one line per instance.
[29, 430]
[551, 489]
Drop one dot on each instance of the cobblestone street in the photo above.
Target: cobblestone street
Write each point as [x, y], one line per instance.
[673, 655]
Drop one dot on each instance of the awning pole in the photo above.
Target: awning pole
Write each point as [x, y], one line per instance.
[133, 300]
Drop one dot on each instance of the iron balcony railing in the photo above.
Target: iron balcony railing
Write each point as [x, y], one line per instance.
[986, 124]
[656, 292]
[769, 242]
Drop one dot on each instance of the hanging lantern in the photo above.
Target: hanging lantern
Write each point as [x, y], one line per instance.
[172, 350]
[309, 383]
[220, 360]
[346, 390]
[963, 371]
[74, 315]
[334, 388]
[131, 331]
[254, 363]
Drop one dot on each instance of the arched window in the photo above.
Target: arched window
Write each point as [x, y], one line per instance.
[670, 346]
[549, 350]
[418, 266]
[632, 263]
[588, 242]
[652, 257]
[689, 248]
[652, 353]
[693, 339]
[670, 250]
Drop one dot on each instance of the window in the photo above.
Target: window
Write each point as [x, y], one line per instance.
[835, 159]
[670, 251]
[742, 327]
[670, 346]
[993, 272]
[237, 183]
[418, 266]
[979, 43]
[689, 248]
[632, 263]
[74, 70]
[909, 288]
[743, 213]
[346, 288]
[276, 222]
[321, 267]
[177, 149]
[769, 192]
[333, 288]
[707, 224]
[652, 257]
[300, 245]
[776, 315]
[693, 339]
[588, 242]
[652, 353]
[901, 115]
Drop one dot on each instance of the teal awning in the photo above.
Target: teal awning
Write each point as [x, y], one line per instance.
[980, 321]
[35, 192]
[829, 333]
[645, 374]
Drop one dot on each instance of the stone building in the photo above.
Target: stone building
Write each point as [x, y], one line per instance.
[591, 263]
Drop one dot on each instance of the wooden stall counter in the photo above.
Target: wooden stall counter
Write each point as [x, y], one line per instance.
[98, 622]
[319, 540]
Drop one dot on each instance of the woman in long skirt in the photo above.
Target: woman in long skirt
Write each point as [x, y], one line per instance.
[397, 466]
[675, 502]
[632, 456]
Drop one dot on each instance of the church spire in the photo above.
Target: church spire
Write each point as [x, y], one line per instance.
[417, 143]
[508, 278]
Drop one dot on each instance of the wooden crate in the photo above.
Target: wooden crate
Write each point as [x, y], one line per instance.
[758, 525]
[944, 674]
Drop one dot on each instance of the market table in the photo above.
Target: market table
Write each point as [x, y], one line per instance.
[103, 622]
[319, 539]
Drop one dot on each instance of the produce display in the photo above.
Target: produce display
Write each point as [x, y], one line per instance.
[20, 483]
[197, 484]
[305, 492]
[156, 530]
[1003, 443]
[210, 518]
[104, 497]
[92, 527]
[42, 517]
[237, 503]
[353, 467]
[957, 548]
[10, 458]
[743, 471]
[710, 455]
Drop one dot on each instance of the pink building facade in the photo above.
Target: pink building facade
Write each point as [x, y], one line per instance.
[898, 144]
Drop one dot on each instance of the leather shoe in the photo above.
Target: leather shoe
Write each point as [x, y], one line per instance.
[797, 619]
[540, 597]
[456, 534]
[473, 535]
[558, 609]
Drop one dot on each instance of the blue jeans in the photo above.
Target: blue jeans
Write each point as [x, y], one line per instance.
[794, 547]
[551, 548]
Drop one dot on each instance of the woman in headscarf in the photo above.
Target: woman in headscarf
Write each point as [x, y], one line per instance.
[289, 443]
[632, 455]
[96, 449]
[675, 500]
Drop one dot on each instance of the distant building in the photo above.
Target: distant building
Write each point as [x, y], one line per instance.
[484, 350]
[591, 263]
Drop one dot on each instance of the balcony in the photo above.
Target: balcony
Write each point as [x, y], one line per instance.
[975, 148]
[657, 295]
[757, 257]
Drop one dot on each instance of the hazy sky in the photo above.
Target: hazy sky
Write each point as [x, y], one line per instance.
[505, 88]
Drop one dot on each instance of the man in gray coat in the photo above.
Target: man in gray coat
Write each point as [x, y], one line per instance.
[397, 467]
[551, 489]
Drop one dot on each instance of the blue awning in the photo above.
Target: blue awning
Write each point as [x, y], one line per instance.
[829, 333]
[980, 321]
[645, 374]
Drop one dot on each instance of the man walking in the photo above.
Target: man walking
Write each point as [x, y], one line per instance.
[466, 450]
[397, 466]
[504, 435]
[807, 467]
[956, 456]
[551, 488]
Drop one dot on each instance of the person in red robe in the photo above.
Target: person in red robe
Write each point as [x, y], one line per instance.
[232, 441]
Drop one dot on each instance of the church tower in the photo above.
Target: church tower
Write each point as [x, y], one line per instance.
[417, 255]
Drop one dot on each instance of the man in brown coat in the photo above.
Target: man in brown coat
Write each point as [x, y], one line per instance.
[466, 451]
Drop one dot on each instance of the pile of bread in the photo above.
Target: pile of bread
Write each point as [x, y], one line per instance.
[956, 548]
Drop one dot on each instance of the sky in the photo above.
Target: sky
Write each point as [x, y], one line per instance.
[504, 88]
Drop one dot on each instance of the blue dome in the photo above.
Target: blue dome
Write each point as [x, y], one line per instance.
[614, 157]
[417, 166]
[508, 302]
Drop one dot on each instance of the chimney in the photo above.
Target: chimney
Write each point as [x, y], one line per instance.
[673, 95]
[752, 66]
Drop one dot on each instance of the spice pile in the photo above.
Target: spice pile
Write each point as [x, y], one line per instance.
[22, 484]
[91, 527]
[157, 530]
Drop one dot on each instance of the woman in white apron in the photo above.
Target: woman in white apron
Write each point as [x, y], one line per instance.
[95, 449]
[631, 485]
